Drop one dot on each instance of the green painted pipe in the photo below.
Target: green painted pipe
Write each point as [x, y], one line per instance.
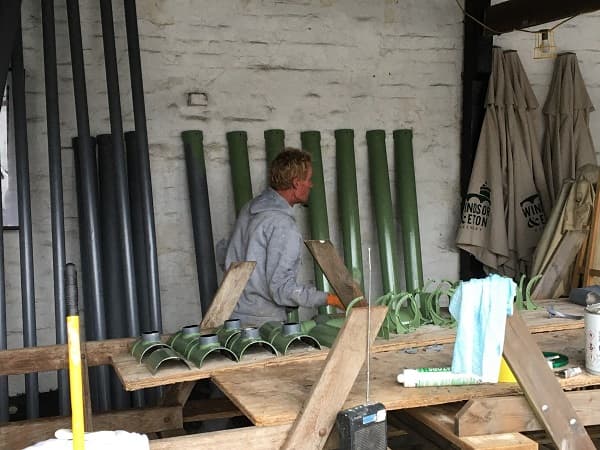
[348, 203]
[406, 192]
[274, 144]
[237, 141]
[381, 197]
[317, 202]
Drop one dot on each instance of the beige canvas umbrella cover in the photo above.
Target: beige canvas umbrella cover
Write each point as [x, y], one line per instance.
[482, 227]
[568, 142]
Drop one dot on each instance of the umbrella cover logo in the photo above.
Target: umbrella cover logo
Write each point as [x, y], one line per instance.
[533, 211]
[476, 210]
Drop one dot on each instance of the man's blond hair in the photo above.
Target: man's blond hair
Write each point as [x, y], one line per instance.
[290, 164]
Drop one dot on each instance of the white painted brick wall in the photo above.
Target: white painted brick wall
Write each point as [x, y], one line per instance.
[291, 64]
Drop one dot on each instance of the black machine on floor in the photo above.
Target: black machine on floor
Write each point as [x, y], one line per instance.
[363, 427]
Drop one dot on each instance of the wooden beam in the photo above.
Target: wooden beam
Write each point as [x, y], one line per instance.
[248, 438]
[514, 14]
[541, 388]
[346, 357]
[229, 292]
[55, 357]
[436, 419]
[513, 414]
[210, 409]
[146, 420]
[334, 269]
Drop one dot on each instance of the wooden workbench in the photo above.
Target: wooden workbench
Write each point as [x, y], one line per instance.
[136, 376]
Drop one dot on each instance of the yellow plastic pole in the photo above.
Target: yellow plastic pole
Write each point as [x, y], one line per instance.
[75, 373]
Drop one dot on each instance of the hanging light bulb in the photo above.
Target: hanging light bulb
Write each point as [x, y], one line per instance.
[544, 44]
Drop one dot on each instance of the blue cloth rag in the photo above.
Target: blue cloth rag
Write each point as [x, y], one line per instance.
[480, 306]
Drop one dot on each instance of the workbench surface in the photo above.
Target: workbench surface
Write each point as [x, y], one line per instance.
[136, 376]
[275, 395]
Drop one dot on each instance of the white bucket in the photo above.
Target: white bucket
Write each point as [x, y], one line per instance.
[592, 339]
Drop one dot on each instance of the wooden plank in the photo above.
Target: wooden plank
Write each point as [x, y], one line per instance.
[54, 357]
[437, 419]
[313, 425]
[210, 409]
[541, 388]
[274, 394]
[248, 438]
[480, 416]
[177, 394]
[510, 15]
[24, 433]
[228, 294]
[590, 267]
[334, 269]
[560, 263]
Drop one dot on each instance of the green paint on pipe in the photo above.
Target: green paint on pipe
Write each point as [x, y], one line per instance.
[237, 142]
[317, 202]
[381, 198]
[348, 203]
[406, 192]
[274, 144]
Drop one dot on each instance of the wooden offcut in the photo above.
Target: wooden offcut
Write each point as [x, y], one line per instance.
[228, 294]
[346, 357]
[330, 262]
[480, 416]
[541, 388]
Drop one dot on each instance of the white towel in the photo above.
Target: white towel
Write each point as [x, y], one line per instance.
[115, 440]
[480, 307]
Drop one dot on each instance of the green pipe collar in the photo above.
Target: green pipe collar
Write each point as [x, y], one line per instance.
[269, 330]
[228, 331]
[164, 355]
[207, 345]
[146, 345]
[249, 339]
[324, 334]
[291, 335]
[184, 339]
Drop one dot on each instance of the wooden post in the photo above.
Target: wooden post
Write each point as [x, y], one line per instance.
[541, 388]
[346, 357]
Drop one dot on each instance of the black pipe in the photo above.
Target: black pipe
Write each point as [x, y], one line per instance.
[201, 223]
[139, 113]
[137, 229]
[112, 263]
[10, 14]
[4, 415]
[25, 232]
[120, 175]
[86, 181]
[56, 193]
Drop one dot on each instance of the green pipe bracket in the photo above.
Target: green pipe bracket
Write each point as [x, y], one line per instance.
[228, 331]
[208, 346]
[165, 355]
[324, 334]
[249, 339]
[147, 343]
[183, 340]
[291, 336]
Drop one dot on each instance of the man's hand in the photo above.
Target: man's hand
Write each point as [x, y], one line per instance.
[334, 300]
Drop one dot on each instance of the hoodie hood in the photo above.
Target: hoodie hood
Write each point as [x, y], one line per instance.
[270, 200]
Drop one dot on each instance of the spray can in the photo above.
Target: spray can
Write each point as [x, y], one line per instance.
[591, 320]
[435, 376]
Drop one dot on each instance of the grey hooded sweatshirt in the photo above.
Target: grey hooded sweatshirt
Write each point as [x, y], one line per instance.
[266, 232]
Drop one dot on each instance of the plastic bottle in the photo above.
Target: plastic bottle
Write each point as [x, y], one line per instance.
[435, 376]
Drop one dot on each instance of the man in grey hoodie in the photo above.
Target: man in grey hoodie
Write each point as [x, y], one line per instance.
[266, 232]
